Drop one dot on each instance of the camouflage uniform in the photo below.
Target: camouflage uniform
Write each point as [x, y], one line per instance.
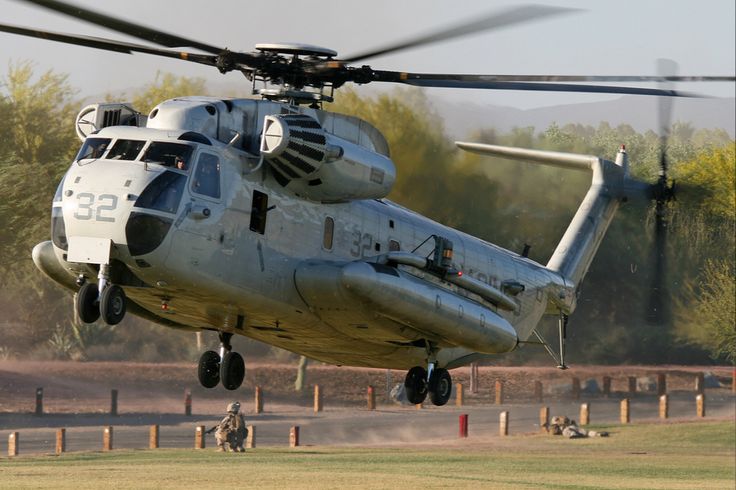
[231, 431]
[563, 426]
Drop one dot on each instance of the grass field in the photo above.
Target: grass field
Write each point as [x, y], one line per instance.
[698, 455]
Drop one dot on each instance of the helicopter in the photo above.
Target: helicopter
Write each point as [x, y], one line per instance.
[267, 217]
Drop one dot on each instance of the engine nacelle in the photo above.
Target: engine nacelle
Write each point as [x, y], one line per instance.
[320, 166]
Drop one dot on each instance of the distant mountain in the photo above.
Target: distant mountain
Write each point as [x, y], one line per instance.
[640, 112]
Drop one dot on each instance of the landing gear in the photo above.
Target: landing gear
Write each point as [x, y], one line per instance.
[112, 304]
[227, 366]
[87, 304]
[440, 386]
[415, 385]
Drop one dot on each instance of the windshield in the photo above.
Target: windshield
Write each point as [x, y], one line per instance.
[93, 148]
[165, 153]
[125, 150]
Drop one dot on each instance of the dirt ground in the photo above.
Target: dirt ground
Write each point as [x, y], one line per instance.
[85, 387]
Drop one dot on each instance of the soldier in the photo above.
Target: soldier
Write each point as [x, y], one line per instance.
[231, 431]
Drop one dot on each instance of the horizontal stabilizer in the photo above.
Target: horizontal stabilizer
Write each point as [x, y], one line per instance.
[554, 158]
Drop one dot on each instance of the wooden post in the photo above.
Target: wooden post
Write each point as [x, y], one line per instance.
[294, 436]
[632, 385]
[503, 423]
[13, 444]
[700, 383]
[107, 438]
[499, 392]
[661, 384]
[584, 414]
[700, 405]
[153, 438]
[250, 441]
[188, 403]
[544, 419]
[371, 398]
[463, 426]
[733, 381]
[39, 401]
[474, 378]
[199, 440]
[259, 400]
[317, 399]
[576, 388]
[459, 394]
[538, 393]
[60, 441]
[625, 417]
[114, 403]
[664, 406]
[606, 386]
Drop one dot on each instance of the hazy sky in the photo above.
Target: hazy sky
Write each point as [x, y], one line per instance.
[606, 38]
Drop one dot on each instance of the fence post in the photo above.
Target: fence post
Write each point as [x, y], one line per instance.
[39, 401]
[700, 383]
[153, 438]
[625, 417]
[371, 398]
[499, 392]
[188, 402]
[114, 403]
[584, 414]
[199, 440]
[632, 385]
[576, 388]
[107, 438]
[459, 394]
[258, 400]
[664, 406]
[13, 444]
[317, 399]
[700, 405]
[463, 429]
[606, 386]
[661, 384]
[294, 436]
[250, 441]
[544, 419]
[474, 378]
[60, 441]
[503, 423]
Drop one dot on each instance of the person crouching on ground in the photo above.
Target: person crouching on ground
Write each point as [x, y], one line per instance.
[231, 432]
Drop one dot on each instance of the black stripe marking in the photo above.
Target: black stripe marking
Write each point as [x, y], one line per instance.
[307, 151]
[298, 163]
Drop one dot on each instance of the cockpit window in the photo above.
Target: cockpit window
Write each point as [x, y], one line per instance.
[165, 153]
[125, 150]
[164, 193]
[93, 148]
[207, 176]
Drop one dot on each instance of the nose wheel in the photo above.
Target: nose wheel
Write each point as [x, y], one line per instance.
[227, 366]
[91, 305]
[438, 386]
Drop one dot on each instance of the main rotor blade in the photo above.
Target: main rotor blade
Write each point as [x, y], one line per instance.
[108, 44]
[122, 26]
[513, 82]
[492, 21]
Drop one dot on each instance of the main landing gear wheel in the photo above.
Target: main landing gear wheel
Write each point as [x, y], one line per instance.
[112, 304]
[87, 305]
[232, 371]
[440, 386]
[415, 385]
[209, 369]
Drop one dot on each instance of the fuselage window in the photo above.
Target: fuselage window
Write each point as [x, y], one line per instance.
[164, 193]
[93, 148]
[165, 153]
[394, 246]
[207, 176]
[125, 150]
[259, 212]
[329, 233]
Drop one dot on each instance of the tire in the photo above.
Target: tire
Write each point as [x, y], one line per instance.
[440, 386]
[415, 385]
[232, 371]
[208, 370]
[87, 306]
[112, 304]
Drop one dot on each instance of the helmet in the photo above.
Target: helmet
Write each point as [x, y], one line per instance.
[233, 407]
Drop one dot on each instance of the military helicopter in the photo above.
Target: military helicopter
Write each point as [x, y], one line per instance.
[267, 217]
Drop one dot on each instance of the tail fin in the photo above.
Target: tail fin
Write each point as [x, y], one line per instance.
[573, 255]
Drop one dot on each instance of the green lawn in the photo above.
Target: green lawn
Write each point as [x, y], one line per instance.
[698, 455]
